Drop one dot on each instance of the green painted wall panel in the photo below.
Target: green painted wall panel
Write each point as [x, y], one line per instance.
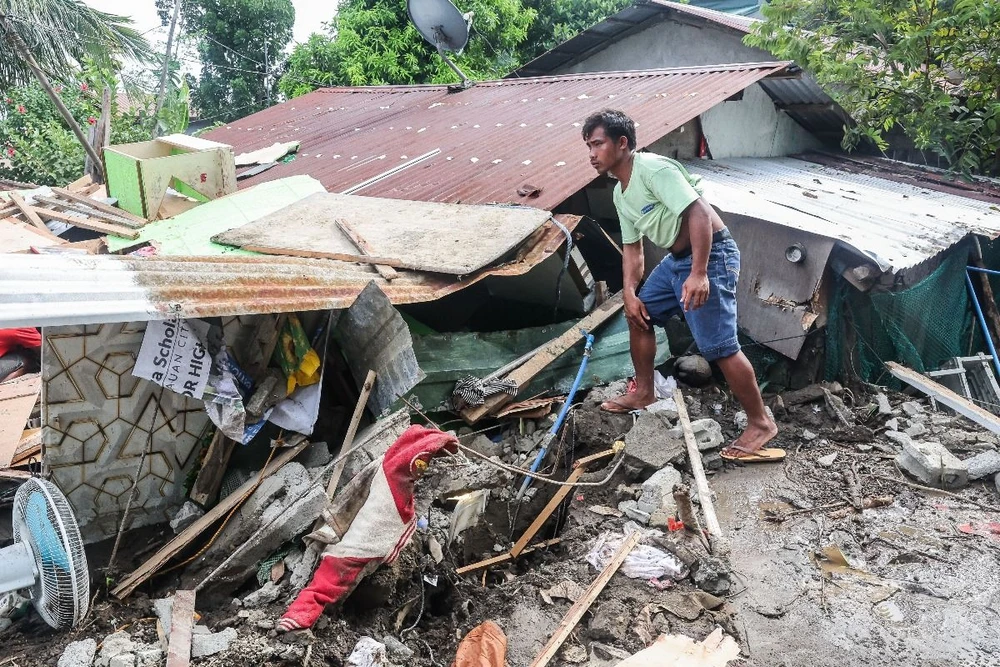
[123, 181]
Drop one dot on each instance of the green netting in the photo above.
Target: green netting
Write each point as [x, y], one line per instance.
[919, 327]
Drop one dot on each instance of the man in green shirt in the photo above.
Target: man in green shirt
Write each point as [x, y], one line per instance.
[658, 199]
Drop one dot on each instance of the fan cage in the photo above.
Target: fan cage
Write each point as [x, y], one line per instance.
[61, 593]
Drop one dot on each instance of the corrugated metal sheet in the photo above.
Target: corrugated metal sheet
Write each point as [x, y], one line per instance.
[46, 290]
[899, 224]
[823, 116]
[493, 138]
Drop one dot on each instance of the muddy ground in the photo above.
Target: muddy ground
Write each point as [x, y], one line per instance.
[920, 583]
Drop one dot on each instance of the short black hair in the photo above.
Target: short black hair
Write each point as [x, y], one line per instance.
[616, 125]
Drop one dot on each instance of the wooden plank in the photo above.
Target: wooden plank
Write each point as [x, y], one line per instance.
[87, 210]
[320, 254]
[99, 205]
[17, 400]
[213, 469]
[32, 217]
[946, 396]
[503, 558]
[84, 223]
[576, 612]
[579, 468]
[29, 447]
[545, 356]
[181, 627]
[697, 469]
[352, 430]
[17, 236]
[457, 239]
[176, 545]
[386, 272]
[716, 650]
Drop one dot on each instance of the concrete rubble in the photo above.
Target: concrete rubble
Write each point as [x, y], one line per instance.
[983, 464]
[79, 654]
[186, 515]
[932, 464]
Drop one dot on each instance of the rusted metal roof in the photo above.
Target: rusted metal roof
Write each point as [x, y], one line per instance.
[492, 139]
[47, 290]
[740, 23]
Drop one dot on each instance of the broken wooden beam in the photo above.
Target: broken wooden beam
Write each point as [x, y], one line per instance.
[545, 355]
[352, 430]
[576, 612]
[946, 396]
[579, 469]
[213, 469]
[84, 223]
[87, 210]
[181, 629]
[189, 534]
[31, 216]
[99, 205]
[697, 468]
[361, 244]
[503, 558]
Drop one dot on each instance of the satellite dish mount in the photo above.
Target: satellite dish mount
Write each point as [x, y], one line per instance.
[444, 27]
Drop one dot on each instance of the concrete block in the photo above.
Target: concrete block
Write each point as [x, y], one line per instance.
[186, 515]
[707, 433]
[266, 594]
[899, 438]
[211, 643]
[933, 465]
[883, 404]
[79, 654]
[122, 660]
[912, 408]
[164, 609]
[658, 492]
[650, 446]
[983, 464]
[916, 430]
[150, 656]
[632, 511]
[316, 455]
[892, 424]
[399, 653]
[115, 645]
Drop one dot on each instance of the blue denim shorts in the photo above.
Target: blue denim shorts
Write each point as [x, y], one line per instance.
[714, 324]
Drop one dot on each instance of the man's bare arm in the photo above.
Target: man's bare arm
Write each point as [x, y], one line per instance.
[698, 218]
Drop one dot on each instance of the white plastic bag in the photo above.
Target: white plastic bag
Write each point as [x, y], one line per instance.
[644, 562]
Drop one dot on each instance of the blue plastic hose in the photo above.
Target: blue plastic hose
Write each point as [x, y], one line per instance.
[562, 413]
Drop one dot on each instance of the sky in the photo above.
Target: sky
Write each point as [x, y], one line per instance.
[309, 15]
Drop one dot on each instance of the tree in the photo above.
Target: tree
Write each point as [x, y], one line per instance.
[373, 42]
[928, 68]
[37, 144]
[559, 20]
[240, 45]
[62, 33]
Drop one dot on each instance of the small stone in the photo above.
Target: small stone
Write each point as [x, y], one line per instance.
[741, 420]
[693, 370]
[658, 492]
[397, 651]
[864, 449]
[712, 576]
[898, 438]
[892, 424]
[707, 433]
[79, 654]
[602, 655]
[884, 408]
[983, 464]
[890, 611]
[122, 660]
[525, 444]
[204, 645]
[435, 550]
[828, 460]
[575, 654]
[712, 460]
[529, 426]
[485, 446]
[368, 653]
[610, 622]
[266, 594]
[912, 408]
[932, 464]
[632, 511]
[996, 482]
[808, 435]
[114, 645]
[916, 430]
[149, 656]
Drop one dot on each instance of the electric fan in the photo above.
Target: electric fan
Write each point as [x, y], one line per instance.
[47, 556]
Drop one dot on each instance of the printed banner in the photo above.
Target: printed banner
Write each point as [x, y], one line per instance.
[174, 356]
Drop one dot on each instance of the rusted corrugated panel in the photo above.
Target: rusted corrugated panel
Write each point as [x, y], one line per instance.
[735, 21]
[46, 290]
[493, 138]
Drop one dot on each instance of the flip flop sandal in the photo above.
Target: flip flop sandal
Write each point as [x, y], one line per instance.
[765, 455]
[622, 408]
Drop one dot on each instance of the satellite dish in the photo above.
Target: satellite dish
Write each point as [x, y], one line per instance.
[443, 26]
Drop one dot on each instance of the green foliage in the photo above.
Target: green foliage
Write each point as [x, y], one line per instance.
[929, 68]
[37, 146]
[373, 42]
[62, 33]
[240, 43]
[559, 20]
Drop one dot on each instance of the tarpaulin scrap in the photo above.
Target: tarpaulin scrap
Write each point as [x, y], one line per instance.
[360, 536]
[484, 646]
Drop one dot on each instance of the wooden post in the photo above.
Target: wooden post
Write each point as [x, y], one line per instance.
[577, 611]
[100, 136]
[352, 430]
[29, 60]
[697, 469]
[206, 485]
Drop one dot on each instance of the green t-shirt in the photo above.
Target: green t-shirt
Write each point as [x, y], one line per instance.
[659, 190]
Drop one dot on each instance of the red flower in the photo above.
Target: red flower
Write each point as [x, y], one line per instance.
[8, 100]
[83, 86]
[59, 89]
[91, 120]
[10, 151]
[21, 109]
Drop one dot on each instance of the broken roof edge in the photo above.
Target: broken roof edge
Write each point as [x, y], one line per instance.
[62, 290]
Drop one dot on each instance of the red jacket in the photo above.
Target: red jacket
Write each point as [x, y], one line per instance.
[27, 337]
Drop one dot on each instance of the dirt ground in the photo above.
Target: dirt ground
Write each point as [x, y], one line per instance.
[919, 583]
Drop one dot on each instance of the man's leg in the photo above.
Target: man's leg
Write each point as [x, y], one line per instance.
[743, 381]
[658, 295]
